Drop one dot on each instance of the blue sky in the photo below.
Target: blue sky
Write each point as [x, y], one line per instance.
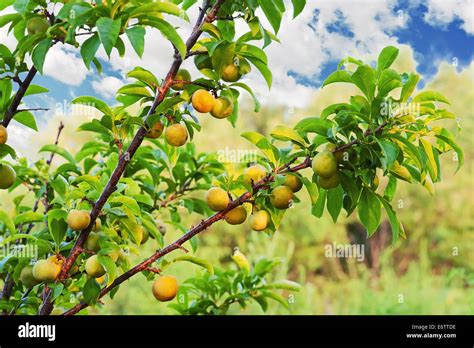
[435, 30]
[431, 42]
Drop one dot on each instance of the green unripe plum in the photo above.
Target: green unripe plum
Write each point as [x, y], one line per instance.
[7, 176]
[161, 226]
[281, 197]
[223, 108]
[27, 278]
[92, 242]
[293, 182]
[93, 267]
[37, 25]
[329, 183]
[325, 164]
[217, 198]
[146, 235]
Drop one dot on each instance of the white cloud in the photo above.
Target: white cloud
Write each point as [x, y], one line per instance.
[107, 86]
[64, 66]
[442, 12]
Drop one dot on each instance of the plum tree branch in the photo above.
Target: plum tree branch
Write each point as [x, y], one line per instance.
[202, 226]
[205, 224]
[134, 145]
[13, 108]
[9, 283]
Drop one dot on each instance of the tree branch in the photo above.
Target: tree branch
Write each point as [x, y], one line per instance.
[205, 224]
[8, 286]
[134, 145]
[12, 109]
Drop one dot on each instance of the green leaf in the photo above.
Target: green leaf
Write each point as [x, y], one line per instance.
[369, 210]
[223, 56]
[89, 49]
[91, 180]
[17, 236]
[314, 125]
[262, 143]
[21, 6]
[392, 218]
[7, 220]
[58, 150]
[95, 103]
[6, 3]
[409, 86]
[251, 51]
[7, 150]
[249, 90]
[285, 133]
[284, 284]
[318, 208]
[144, 76]
[390, 152]
[264, 70]
[391, 188]
[334, 201]
[212, 30]
[227, 29]
[312, 189]
[364, 78]
[280, 299]
[39, 54]
[337, 76]
[35, 89]
[109, 267]
[136, 35]
[26, 118]
[171, 34]
[388, 81]
[272, 12]
[129, 202]
[27, 217]
[57, 225]
[411, 149]
[432, 165]
[427, 96]
[298, 6]
[456, 149]
[108, 30]
[91, 291]
[386, 58]
[197, 261]
[161, 7]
